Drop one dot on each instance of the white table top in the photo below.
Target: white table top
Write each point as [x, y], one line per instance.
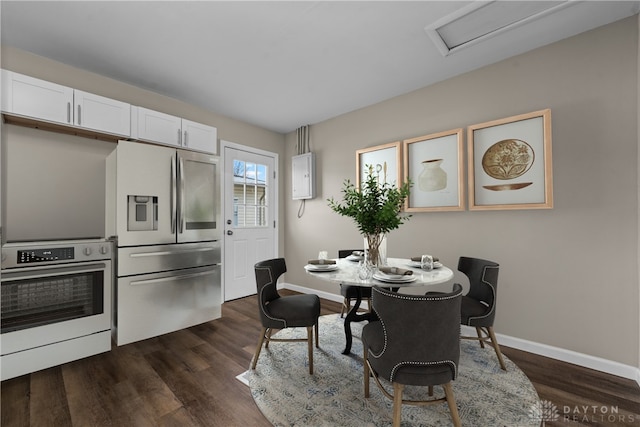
[347, 273]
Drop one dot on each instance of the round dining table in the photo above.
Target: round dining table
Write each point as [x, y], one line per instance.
[345, 271]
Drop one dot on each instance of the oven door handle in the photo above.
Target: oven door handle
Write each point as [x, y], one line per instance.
[49, 271]
[171, 278]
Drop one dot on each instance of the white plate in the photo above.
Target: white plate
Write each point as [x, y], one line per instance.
[321, 267]
[354, 258]
[416, 264]
[390, 279]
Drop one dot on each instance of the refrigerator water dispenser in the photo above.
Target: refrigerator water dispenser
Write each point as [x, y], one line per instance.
[142, 213]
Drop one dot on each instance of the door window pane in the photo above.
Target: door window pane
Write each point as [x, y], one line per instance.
[250, 194]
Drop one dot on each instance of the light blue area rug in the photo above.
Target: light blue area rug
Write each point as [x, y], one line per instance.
[333, 396]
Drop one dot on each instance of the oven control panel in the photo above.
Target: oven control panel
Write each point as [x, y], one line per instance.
[44, 255]
[36, 254]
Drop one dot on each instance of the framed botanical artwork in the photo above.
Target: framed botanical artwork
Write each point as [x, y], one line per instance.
[434, 164]
[383, 161]
[510, 163]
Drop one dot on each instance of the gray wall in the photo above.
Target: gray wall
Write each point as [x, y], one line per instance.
[569, 276]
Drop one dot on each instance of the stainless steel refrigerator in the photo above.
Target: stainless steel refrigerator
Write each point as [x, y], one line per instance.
[163, 205]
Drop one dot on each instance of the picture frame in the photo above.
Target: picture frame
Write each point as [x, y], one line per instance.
[510, 164]
[385, 161]
[435, 165]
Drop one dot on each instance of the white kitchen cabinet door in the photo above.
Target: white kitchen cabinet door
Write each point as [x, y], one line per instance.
[102, 114]
[30, 97]
[154, 126]
[200, 137]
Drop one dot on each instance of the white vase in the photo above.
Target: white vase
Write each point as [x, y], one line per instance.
[375, 249]
[432, 177]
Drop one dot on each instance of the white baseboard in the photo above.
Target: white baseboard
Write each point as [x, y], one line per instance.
[569, 356]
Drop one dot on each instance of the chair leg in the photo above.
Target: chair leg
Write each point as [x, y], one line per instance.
[397, 403]
[496, 347]
[258, 348]
[310, 345]
[480, 338]
[346, 306]
[269, 331]
[451, 401]
[366, 372]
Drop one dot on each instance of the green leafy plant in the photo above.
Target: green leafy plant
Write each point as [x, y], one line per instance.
[375, 207]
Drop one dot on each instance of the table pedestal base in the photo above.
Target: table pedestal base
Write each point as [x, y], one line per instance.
[353, 316]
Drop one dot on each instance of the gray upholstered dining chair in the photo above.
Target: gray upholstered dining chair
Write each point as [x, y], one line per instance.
[280, 312]
[479, 304]
[416, 342]
[351, 292]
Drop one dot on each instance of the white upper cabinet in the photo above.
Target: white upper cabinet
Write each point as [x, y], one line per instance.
[42, 100]
[30, 97]
[154, 126]
[101, 114]
[197, 136]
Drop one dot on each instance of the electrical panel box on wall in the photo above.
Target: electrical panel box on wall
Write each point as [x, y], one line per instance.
[303, 174]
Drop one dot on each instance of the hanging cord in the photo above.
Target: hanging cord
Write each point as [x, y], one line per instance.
[302, 146]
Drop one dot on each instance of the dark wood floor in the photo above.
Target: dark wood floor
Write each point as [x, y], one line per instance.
[187, 378]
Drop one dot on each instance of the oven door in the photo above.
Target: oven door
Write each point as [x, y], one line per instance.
[45, 305]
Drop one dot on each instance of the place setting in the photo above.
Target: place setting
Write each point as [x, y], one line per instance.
[394, 275]
[425, 262]
[355, 256]
[322, 264]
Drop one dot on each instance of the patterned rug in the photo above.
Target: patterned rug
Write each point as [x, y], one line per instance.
[288, 396]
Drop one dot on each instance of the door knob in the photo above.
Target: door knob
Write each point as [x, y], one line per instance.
[229, 221]
[229, 233]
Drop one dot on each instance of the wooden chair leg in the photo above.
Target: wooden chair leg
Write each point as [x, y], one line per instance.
[480, 338]
[345, 304]
[269, 331]
[397, 403]
[367, 374]
[317, 334]
[496, 347]
[310, 346]
[451, 401]
[258, 348]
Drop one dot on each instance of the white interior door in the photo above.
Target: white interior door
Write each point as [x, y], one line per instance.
[250, 226]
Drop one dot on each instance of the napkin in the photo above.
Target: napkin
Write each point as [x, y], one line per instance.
[396, 270]
[321, 261]
[419, 258]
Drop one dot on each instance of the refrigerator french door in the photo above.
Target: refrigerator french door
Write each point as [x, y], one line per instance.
[167, 219]
[164, 195]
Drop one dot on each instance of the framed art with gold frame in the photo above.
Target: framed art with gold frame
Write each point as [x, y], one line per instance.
[435, 165]
[382, 160]
[509, 162]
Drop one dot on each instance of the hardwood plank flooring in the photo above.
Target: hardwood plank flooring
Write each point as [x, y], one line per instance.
[187, 378]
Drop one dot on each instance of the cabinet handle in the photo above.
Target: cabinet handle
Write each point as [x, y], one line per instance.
[186, 139]
[68, 112]
[79, 116]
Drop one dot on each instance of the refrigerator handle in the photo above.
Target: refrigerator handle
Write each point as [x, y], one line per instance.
[182, 207]
[174, 189]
